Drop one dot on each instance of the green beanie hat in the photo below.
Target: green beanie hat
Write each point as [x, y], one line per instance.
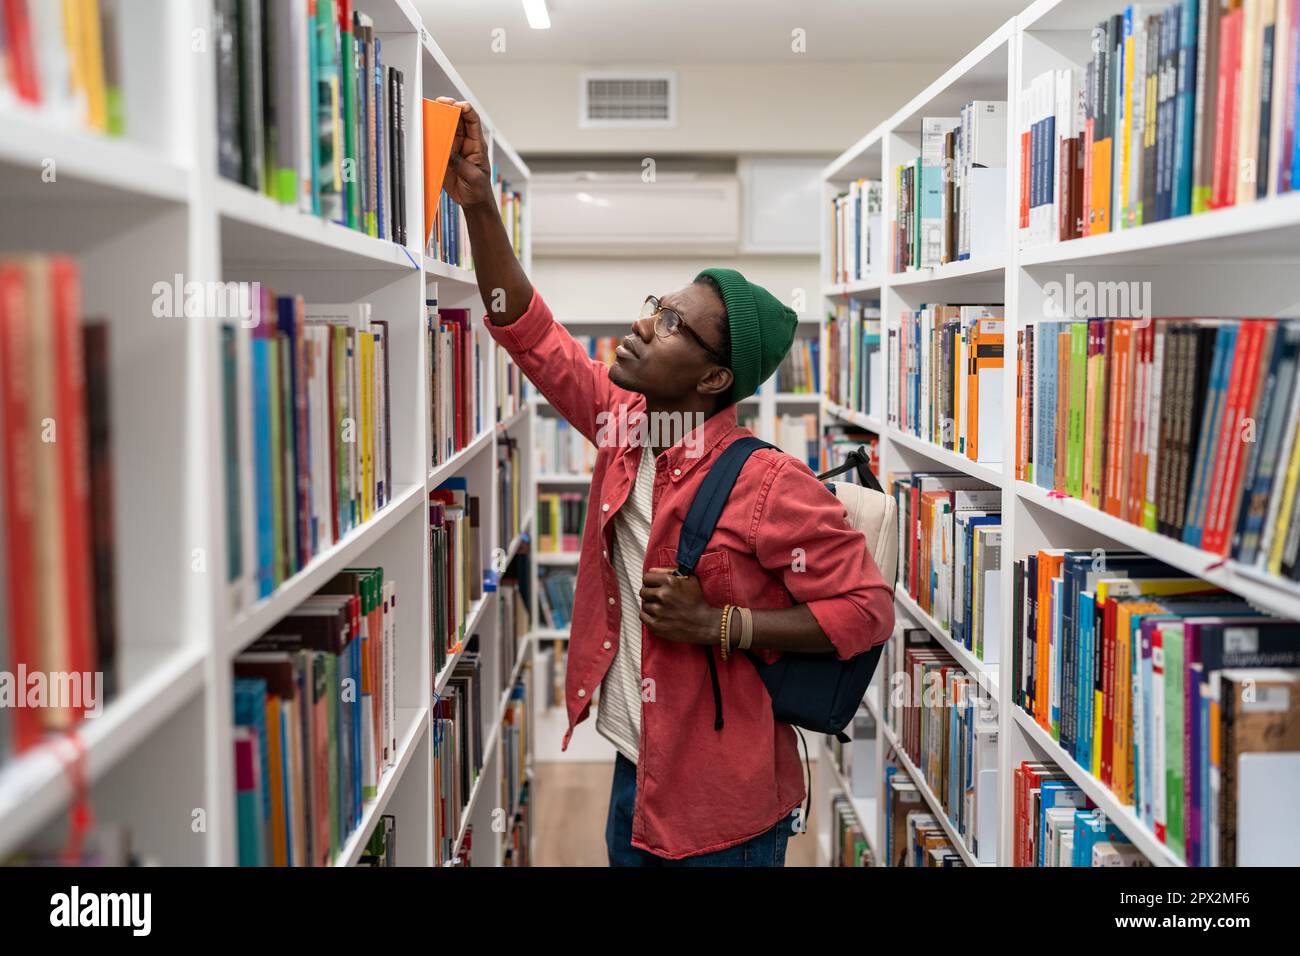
[762, 330]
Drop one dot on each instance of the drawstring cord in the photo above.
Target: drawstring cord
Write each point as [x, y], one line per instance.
[717, 688]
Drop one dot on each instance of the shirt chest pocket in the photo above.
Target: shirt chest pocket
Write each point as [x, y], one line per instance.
[713, 571]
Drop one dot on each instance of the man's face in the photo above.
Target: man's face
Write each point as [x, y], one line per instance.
[672, 368]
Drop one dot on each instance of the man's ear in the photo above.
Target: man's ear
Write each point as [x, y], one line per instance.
[716, 381]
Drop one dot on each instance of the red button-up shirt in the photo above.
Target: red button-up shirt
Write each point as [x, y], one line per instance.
[782, 539]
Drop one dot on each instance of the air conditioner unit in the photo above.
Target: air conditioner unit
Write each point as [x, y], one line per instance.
[620, 214]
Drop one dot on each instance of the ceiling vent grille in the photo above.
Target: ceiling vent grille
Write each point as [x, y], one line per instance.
[627, 100]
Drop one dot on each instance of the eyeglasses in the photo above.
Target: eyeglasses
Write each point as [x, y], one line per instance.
[669, 322]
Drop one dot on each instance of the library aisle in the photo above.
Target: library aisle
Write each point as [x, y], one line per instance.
[321, 326]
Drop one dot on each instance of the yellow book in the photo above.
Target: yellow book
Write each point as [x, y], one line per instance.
[1124, 198]
[1284, 512]
[1247, 117]
[92, 52]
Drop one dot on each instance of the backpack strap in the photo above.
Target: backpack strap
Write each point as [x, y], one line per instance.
[709, 501]
[702, 518]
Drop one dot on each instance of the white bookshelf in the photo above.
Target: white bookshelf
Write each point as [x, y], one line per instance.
[140, 210]
[1222, 262]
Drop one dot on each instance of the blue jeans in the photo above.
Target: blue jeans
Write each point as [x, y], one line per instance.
[766, 849]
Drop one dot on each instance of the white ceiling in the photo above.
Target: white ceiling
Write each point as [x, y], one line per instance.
[715, 31]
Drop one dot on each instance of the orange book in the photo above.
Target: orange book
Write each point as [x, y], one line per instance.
[1099, 194]
[1049, 567]
[440, 121]
[1062, 437]
[1116, 416]
[1222, 492]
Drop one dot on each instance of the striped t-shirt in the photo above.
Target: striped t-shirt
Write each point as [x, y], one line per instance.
[619, 716]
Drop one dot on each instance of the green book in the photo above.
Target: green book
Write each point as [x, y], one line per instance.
[277, 458]
[1173, 670]
[329, 140]
[351, 163]
[1076, 418]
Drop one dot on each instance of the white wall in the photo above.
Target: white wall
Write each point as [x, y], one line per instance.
[765, 107]
[613, 289]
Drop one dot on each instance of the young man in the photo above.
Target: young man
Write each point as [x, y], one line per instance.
[705, 775]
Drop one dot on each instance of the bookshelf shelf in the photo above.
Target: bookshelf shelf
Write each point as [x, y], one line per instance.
[563, 479]
[969, 269]
[1274, 595]
[415, 720]
[854, 418]
[923, 787]
[1267, 230]
[257, 230]
[34, 787]
[448, 273]
[943, 456]
[866, 809]
[550, 634]
[1120, 814]
[252, 624]
[506, 424]
[472, 621]
[856, 287]
[440, 473]
[986, 674]
[558, 558]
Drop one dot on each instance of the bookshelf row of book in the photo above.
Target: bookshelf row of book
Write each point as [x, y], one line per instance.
[510, 201]
[948, 727]
[1054, 823]
[849, 845]
[307, 433]
[456, 579]
[1157, 684]
[800, 370]
[857, 232]
[947, 386]
[950, 200]
[950, 555]
[839, 439]
[854, 361]
[514, 617]
[309, 113]
[561, 517]
[458, 749]
[315, 721]
[1188, 428]
[555, 596]
[457, 383]
[511, 479]
[913, 835]
[1183, 108]
[798, 435]
[65, 58]
[518, 846]
[515, 728]
[59, 625]
[550, 660]
[561, 448]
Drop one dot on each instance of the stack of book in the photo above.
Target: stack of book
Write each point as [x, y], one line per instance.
[561, 448]
[561, 516]
[555, 597]
[309, 114]
[1055, 824]
[457, 727]
[1136, 669]
[902, 799]
[549, 668]
[952, 198]
[949, 554]
[1184, 427]
[510, 477]
[518, 838]
[457, 383]
[456, 566]
[948, 390]
[798, 436]
[849, 842]
[58, 613]
[800, 370]
[449, 237]
[511, 386]
[1183, 108]
[65, 59]
[315, 721]
[855, 377]
[948, 727]
[857, 233]
[514, 744]
[512, 614]
[307, 437]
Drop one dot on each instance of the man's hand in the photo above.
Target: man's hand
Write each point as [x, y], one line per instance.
[469, 174]
[674, 608]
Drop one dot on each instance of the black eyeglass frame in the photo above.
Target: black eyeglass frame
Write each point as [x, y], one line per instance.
[660, 310]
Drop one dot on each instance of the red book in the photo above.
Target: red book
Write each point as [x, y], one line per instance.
[1242, 388]
[1117, 417]
[1026, 171]
[19, 499]
[1225, 173]
[1085, 200]
[73, 466]
[1108, 691]
[23, 75]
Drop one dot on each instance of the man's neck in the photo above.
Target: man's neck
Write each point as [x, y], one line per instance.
[675, 420]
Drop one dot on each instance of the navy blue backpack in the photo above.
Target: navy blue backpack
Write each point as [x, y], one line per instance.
[818, 692]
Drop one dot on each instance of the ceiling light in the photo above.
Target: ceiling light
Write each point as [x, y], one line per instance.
[538, 18]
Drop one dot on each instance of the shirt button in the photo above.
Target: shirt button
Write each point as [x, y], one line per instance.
[604, 552]
[677, 471]
[608, 645]
[605, 506]
[611, 600]
[582, 692]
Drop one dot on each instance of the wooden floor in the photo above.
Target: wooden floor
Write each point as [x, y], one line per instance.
[569, 817]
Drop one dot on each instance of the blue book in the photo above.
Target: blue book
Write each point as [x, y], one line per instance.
[286, 314]
[262, 457]
[1054, 793]
[1081, 725]
[1089, 830]
[1045, 447]
[248, 802]
[357, 800]
[380, 108]
[1058, 610]
[1224, 343]
[1185, 107]
[250, 711]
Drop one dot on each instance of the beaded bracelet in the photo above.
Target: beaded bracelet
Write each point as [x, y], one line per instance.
[726, 622]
